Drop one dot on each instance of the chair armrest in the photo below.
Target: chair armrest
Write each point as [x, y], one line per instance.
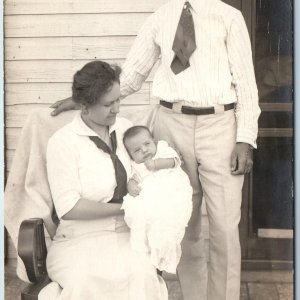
[32, 249]
[31, 292]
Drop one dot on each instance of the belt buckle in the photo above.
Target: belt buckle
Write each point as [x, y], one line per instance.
[177, 107]
[219, 109]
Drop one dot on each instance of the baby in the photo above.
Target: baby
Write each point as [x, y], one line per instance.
[158, 205]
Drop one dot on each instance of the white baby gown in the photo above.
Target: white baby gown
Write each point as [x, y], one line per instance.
[158, 216]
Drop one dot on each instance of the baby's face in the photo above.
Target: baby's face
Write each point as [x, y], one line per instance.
[141, 147]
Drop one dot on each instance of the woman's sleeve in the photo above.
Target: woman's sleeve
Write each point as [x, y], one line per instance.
[62, 170]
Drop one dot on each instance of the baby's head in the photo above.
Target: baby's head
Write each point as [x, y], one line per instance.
[139, 143]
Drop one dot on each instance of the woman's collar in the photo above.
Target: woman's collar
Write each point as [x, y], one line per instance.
[80, 128]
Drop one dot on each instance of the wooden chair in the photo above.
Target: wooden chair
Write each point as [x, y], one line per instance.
[33, 251]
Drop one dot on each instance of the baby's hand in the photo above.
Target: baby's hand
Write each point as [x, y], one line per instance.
[150, 164]
[133, 188]
[136, 178]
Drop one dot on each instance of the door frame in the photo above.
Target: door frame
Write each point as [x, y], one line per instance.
[260, 253]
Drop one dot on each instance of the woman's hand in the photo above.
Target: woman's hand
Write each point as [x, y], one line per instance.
[63, 105]
[133, 187]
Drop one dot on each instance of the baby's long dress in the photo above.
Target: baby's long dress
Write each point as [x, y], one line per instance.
[158, 216]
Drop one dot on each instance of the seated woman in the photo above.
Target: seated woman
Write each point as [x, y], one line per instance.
[90, 256]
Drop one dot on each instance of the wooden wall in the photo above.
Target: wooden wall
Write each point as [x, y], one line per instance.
[46, 41]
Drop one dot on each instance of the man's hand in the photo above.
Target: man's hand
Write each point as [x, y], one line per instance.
[133, 188]
[63, 105]
[150, 165]
[241, 159]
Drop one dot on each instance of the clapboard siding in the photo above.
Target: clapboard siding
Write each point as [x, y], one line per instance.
[68, 25]
[48, 70]
[47, 93]
[60, 48]
[17, 7]
[13, 135]
[46, 42]
[9, 158]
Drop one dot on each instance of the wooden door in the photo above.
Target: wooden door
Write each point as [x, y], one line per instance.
[266, 227]
[271, 194]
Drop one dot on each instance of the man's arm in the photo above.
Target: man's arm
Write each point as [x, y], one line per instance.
[240, 59]
[247, 110]
[63, 105]
[142, 56]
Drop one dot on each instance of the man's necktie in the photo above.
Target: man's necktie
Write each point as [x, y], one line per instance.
[184, 42]
[121, 176]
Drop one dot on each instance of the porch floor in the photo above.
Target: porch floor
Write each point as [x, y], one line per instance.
[256, 285]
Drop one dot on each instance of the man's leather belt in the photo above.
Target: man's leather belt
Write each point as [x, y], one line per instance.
[196, 110]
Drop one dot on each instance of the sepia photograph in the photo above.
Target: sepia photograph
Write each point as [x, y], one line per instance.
[149, 149]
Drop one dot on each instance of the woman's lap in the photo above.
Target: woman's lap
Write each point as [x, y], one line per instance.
[106, 264]
[106, 255]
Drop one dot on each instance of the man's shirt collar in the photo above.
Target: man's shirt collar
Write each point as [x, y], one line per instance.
[197, 5]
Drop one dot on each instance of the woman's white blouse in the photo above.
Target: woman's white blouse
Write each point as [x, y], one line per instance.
[78, 169]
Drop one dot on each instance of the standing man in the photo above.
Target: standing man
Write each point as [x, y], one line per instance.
[209, 112]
